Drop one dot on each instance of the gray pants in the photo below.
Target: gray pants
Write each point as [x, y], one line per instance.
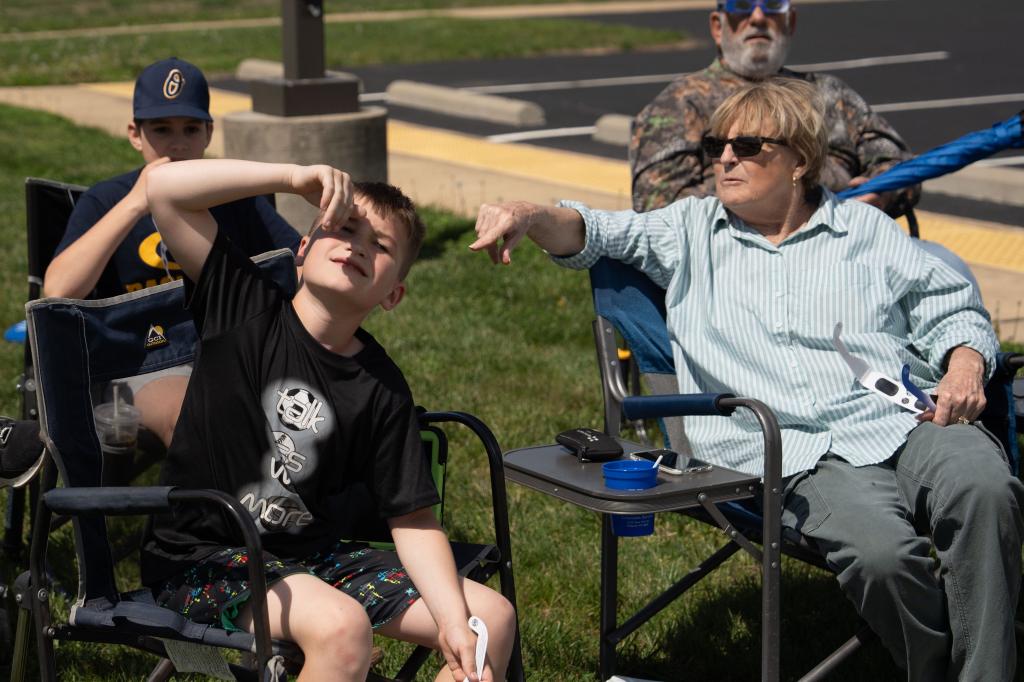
[873, 524]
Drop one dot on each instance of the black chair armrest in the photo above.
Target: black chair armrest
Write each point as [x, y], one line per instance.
[257, 576]
[109, 501]
[496, 469]
[499, 496]
[1012, 362]
[712, 404]
[120, 501]
[654, 406]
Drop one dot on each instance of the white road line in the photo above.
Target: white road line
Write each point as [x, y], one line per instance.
[666, 77]
[872, 61]
[950, 102]
[898, 106]
[1001, 161]
[542, 134]
[574, 84]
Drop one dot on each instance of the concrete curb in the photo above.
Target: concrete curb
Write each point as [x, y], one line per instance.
[999, 185]
[258, 69]
[464, 104]
[614, 129]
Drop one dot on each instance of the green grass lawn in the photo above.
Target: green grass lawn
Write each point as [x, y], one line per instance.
[33, 15]
[107, 58]
[513, 346]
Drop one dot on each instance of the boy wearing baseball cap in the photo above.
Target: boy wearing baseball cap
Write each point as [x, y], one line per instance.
[111, 245]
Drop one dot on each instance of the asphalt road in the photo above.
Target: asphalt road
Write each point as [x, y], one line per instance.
[953, 52]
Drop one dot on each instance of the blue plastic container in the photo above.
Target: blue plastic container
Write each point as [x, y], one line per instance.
[629, 474]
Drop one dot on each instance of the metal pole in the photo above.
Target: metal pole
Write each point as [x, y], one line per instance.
[305, 90]
[302, 38]
[609, 597]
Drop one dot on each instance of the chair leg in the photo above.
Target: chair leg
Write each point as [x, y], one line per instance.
[516, 673]
[836, 658]
[609, 596]
[415, 661]
[21, 644]
[162, 672]
[14, 523]
[36, 593]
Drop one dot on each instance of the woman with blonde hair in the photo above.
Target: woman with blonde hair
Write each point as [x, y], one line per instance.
[756, 279]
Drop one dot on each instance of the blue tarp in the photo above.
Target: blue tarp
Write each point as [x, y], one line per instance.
[946, 158]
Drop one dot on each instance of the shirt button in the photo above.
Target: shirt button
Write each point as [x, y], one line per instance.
[779, 294]
[792, 364]
[778, 325]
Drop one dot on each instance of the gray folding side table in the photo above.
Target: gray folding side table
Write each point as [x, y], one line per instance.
[554, 470]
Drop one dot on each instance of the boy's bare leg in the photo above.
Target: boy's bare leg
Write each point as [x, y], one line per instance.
[330, 627]
[416, 625]
[159, 401]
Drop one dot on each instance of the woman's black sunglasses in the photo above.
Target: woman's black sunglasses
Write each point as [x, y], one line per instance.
[744, 145]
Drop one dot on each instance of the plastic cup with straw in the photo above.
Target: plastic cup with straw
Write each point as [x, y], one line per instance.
[117, 424]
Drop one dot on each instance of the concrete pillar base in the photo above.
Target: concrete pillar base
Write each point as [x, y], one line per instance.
[354, 142]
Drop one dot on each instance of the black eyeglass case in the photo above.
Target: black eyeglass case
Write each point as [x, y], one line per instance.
[590, 445]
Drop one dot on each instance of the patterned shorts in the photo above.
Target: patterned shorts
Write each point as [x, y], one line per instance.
[216, 588]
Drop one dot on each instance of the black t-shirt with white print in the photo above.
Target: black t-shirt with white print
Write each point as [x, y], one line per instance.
[316, 446]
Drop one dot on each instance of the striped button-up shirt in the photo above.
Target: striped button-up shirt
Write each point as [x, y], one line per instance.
[748, 317]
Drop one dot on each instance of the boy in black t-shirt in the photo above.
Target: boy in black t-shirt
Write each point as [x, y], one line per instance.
[299, 413]
[111, 247]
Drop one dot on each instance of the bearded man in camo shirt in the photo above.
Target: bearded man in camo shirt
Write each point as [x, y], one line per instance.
[752, 39]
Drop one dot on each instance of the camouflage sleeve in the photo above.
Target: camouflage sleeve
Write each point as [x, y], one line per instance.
[664, 153]
[873, 144]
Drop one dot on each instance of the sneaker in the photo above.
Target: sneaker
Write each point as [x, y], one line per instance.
[21, 451]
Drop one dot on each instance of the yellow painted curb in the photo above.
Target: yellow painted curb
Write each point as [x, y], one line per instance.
[558, 167]
[976, 241]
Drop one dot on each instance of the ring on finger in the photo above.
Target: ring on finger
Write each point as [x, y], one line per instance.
[963, 420]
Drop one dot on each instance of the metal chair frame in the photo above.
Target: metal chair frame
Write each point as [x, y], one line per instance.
[101, 613]
[620, 382]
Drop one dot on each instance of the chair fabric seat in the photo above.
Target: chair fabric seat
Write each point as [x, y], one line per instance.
[139, 610]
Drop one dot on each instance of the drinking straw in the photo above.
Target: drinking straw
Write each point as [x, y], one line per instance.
[117, 400]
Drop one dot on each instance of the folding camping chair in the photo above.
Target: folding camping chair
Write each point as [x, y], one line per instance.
[48, 205]
[631, 307]
[76, 343]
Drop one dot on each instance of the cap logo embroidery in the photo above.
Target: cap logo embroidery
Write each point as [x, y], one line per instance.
[174, 84]
[5, 433]
[155, 337]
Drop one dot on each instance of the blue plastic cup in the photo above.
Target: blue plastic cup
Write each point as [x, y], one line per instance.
[629, 474]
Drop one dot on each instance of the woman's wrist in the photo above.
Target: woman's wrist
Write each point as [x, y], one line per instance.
[966, 358]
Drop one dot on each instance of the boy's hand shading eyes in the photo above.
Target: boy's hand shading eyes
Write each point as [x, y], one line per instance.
[330, 190]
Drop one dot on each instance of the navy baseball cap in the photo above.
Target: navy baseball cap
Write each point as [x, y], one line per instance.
[171, 87]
